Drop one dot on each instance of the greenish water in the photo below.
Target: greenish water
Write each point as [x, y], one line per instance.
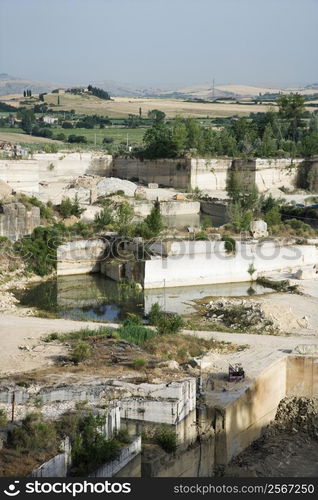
[93, 297]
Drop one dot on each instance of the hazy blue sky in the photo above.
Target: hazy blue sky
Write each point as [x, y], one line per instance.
[160, 41]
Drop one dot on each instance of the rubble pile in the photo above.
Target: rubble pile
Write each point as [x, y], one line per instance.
[296, 414]
[239, 315]
[288, 448]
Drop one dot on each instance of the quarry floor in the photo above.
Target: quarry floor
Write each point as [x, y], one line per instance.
[22, 350]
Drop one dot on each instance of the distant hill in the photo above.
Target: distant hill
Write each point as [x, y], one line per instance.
[14, 85]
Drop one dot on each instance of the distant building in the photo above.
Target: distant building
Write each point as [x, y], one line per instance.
[49, 119]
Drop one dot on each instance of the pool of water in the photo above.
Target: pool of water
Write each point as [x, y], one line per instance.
[95, 297]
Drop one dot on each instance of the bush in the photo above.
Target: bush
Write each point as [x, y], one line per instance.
[166, 438]
[80, 352]
[154, 221]
[67, 208]
[34, 434]
[108, 140]
[39, 249]
[229, 244]
[104, 218]
[3, 418]
[273, 217]
[201, 235]
[122, 436]
[140, 363]
[155, 314]
[77, 139]
[90, 448]
[165, 322]
[170, 323]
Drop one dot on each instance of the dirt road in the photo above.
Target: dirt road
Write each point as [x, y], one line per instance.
[21, 348]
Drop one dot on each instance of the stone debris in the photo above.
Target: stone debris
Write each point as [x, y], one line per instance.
[295, 415]
[240, 315]
[288, 446]
[111, 185]
[258, 229]
[306, 274]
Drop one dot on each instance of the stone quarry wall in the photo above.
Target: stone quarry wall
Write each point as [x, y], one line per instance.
[302, 376]
[207, 262]
[57, 466]
[26, 175]
[16, 221]
[80, 256]
[165, 172]
[265, 174]
[167, 208]
[209, 174]
[180, 397]
[244, 417]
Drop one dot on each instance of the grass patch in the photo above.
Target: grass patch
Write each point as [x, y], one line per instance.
[135, 333]
[184, 347]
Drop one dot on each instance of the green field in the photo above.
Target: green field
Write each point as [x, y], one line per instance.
[94, 136]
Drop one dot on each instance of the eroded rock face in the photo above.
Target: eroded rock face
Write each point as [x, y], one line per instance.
[16, 221]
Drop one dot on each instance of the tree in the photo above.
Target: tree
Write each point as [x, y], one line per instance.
[268, 146]
[123, 218]
[104, 218]
[159, 142]
[292, 108]
[179, 136]
[154, 220]
[157, 116]
[27, 119]
[309, 145]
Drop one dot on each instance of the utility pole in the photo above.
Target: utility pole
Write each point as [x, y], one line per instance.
[213, 88]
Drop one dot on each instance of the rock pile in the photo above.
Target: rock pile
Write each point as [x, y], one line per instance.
[296, 414]
[239, 315]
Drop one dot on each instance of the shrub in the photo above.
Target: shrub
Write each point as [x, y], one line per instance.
[154, 221]
[165, 323]
[155, 314]
[170, 323]
[123, 436]
[3, 418]
[67, 208]
[80, 352]
[104, 218]
[34, 434]
[201, 235]
[273, 217]
[140, 363]
[77, 139]
[166, 438]
[90, 448]
[229, 244]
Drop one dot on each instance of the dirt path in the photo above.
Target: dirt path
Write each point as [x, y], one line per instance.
[26, 332]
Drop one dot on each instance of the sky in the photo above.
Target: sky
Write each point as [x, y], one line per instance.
[161, 42]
